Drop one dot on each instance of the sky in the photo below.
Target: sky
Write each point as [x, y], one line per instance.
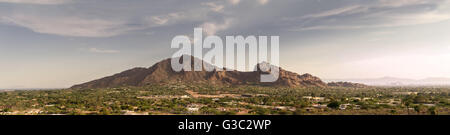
[59, 43]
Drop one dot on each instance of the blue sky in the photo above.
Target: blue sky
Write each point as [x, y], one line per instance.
[58, 43]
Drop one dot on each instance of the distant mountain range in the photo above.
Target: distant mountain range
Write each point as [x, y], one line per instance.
[392, 81]
[162, 73]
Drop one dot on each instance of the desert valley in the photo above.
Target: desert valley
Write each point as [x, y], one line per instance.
[158, 90]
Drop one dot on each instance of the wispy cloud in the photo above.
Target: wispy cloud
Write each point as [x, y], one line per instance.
[42, 2]
[211, 28]
[96, 50]
[100, 24]
[67, 26]
[159, 20]
[339, 11]
[355, 15]
[383, 13]
[165, 19]
[86, 27]
[400, 3]
[214, 6]
[388, 21]
[234, 2]
[263, 2]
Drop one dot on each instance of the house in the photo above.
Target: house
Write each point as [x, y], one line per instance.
[261, 95]
[315, 99]
[319, 106]
[318, 99]
[394, 102]
[429, 105]
[280, 108]
[194, 107]
[127, 112]
[356, 98]
[222, 109]
[361, 99]
[307, 97]
[184, 97]
[344, 106]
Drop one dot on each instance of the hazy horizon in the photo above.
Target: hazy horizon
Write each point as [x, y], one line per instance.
[59, 43]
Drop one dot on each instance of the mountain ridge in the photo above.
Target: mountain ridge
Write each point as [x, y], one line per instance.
[395, 81]
[162, 72]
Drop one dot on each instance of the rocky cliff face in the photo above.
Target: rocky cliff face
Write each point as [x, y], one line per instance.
[162, 73]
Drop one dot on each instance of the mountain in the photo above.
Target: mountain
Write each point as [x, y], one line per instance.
[392, 81]
[347, 84]
[436, 81]
[162, 73]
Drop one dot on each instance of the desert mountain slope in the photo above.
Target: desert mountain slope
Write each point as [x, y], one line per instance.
[162, 73]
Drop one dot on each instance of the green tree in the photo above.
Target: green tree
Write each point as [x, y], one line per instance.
[105, 111]
[420, 99]
[334, 104]
[262, 111]
[418, 108]
[432, 110]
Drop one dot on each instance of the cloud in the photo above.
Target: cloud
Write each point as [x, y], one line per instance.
[86, 27]
[358, 8]
[95, 50]
[40, 2]
[338, 11]
[160, 20]
[400, 3]
[384, 13]
[234, 2]
[67, 26]
[392, 21]
[95, 23]
[211, 28]
[214, 7]
[263, 2]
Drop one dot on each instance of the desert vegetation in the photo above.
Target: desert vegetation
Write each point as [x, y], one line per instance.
[184, 99]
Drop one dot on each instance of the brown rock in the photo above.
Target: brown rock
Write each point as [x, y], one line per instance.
[162, 73]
